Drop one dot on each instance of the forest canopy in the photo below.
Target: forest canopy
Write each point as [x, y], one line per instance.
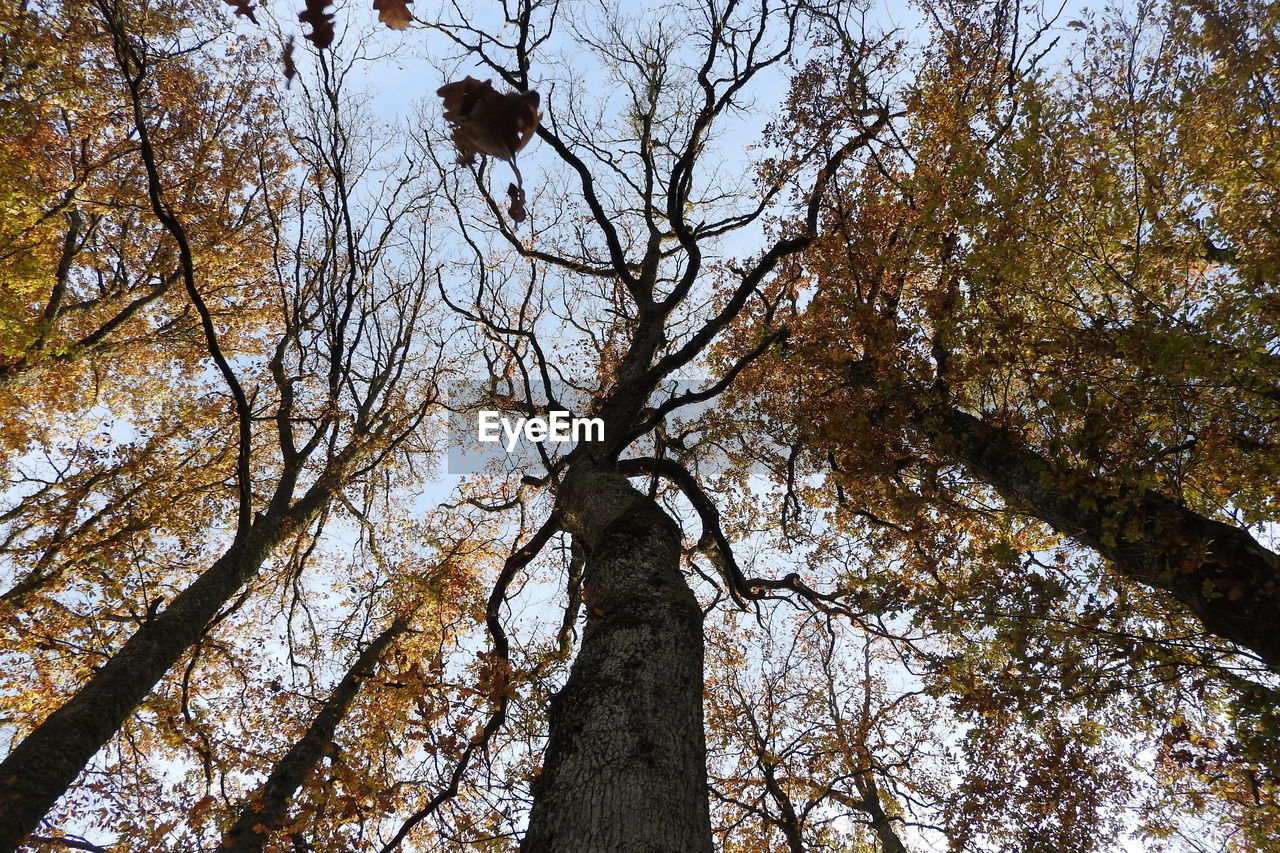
[928, 362]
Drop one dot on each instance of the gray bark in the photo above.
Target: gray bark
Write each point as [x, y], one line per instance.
[268, 806]
[1218, 572]
[625, 765]
[48, 760]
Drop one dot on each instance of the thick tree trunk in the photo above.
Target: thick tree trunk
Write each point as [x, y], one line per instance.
[267, 807]
[625, 765]
[48, 760]
[1218, 572]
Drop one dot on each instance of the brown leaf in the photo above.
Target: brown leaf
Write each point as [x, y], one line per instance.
[286, 57]
[517, 210]
[243, 7]
[485, 121]
[394, 13]
[321, 22]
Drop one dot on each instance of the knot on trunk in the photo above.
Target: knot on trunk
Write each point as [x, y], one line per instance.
[596, 503]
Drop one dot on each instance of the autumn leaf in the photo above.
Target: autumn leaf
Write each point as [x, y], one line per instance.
[286, 58]
[517, 211]
[321, 22]
[394, 13]
[243, 7]
[485, 121]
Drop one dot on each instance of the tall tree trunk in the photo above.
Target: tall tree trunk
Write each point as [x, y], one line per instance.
[881, 823]
[48, 760]
[267, 807]
[1218, 572]
[625, 765]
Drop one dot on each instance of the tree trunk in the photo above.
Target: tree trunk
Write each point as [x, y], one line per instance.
[881, 823]
[267, 807]
[1218, 572]
[50, 758]
[625, 765]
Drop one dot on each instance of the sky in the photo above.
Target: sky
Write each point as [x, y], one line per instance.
[405, 71]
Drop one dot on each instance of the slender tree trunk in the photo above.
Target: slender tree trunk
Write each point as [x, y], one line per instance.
[625, 765]
[881, 823]
[50, 758]
[787, 821]
[267, 807]
[1219, 572]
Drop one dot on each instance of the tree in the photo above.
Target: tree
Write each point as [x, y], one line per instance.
[786, 348]
[440, 591]
[633, 696]
[91, 306]
[1036, 303]
[348, 381]
[799, 751]
[267, 807]
[948, 309]
[89, 274]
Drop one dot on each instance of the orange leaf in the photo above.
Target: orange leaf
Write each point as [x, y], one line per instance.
[394, 13]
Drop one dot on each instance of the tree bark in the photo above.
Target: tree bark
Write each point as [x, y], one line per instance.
[881, 823]
[267, 807]
[1218, 572]
[50, 758]
[625, 765]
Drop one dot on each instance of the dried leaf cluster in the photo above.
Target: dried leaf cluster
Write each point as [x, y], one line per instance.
[317, 16]
[486, 121]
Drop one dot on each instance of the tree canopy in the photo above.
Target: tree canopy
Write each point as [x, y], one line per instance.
[929, 368]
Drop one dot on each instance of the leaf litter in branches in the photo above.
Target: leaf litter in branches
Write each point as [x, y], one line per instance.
[485, 121]
[315, 13]
[243, 8]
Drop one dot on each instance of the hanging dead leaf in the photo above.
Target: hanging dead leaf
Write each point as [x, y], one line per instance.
[516, 210]
[394, 13]
[286, 58]
[321, 22]
[243, 7]
[486, 121]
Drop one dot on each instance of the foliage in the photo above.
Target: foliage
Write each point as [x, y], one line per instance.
[795, 261]
[87, 270]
